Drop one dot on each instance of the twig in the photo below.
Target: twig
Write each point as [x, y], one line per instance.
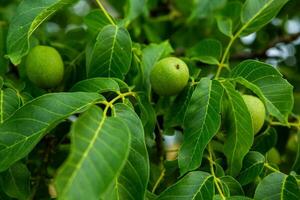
[216, 179]
[105, 12]
[266, 165]
[159, 142]
[162, 174]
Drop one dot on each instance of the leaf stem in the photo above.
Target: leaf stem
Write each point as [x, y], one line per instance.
[289, 124]
[121, 96]
[216, 179]
[105, 12]
[109, 104]
[266, 165]
[233, 38]
[162, 174]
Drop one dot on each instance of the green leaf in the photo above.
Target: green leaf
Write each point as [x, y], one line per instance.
[240, 131]
[3, 196]
[204, 8]
[252, 166]
[233, 185]
[9, 103]
[16, 181]
[150, 196]
[265, 141]
[134, 9]
[267, 83]
[147, 114]
[277, 186]
[296, 164]
[232, 11]
[207, 51]
[133, 180]
[257, 13]
[99, 149]
[175, 113]
[111, 55]
[25, 128]
[29, 15]
[3, 61]
[195, 185]
[225, 25]
[95, 21]
[99, 85]
[202, 121]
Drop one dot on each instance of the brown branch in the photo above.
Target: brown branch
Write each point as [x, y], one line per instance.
[159, 142]
[262, 53]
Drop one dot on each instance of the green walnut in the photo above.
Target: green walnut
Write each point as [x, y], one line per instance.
[169, 76]
[292, 144]
[257, 111]
[273, 156]
[44, 67]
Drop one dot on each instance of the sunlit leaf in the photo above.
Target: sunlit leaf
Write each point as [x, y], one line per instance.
[99, 149]
[267, 83]
[240, 132]
[111, 55]
[194, 185]
[277, 186]
[24, 129]
[202, 121]
[29, 15]
[98, 85]
[225, 25]
[257, 13]
[9, 103]
[133, 180]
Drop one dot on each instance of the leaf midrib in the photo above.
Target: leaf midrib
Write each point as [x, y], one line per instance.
[200, 186]
[204, 120]
[38, 132]
[85, 154]
[112, 50]
[253, 18]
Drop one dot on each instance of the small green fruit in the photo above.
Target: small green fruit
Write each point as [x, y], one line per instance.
[273, 156]
[292, 144]
[169, 76]
[257, 111]
[44, 67]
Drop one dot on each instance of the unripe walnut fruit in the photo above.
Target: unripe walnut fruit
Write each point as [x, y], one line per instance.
[169, 76]
[44, 67]
[273, 156]
[257, 111]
